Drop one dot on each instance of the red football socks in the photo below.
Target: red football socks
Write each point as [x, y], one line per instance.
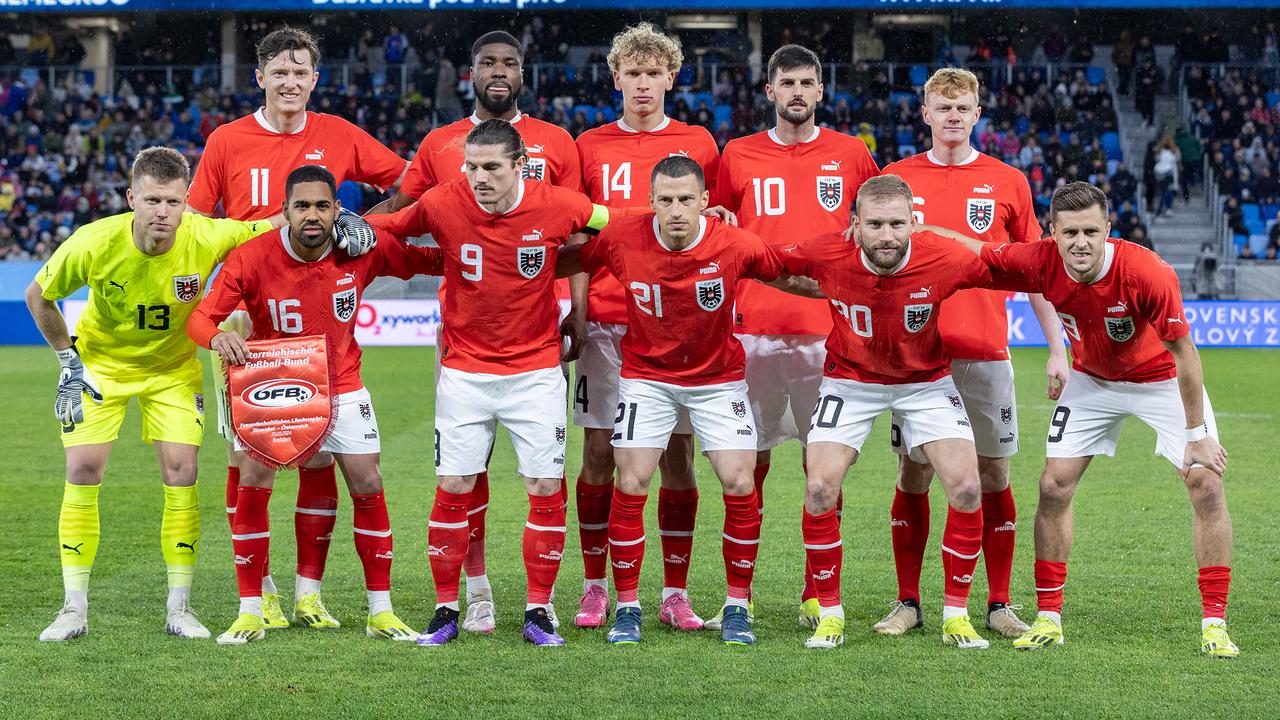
[961, 545]
[593, 528]
[447, 542]
[824, 555]
[626, 543]
[477, 506]
[372, 531]
[677, 514]
[314, 518]
[741, 542]
[909, 530]
[999, 528]
[543, 545]
[251, 538]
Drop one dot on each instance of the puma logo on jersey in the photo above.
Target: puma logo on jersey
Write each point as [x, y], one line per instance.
[1118, 307]
[534, 236]
[315, 154]
[347, 279]
[712, 268]
[985, 189]
[534, 148]
[681, 153]
[924, 293]
[113, 283]
[833, 166]
[1175, 320]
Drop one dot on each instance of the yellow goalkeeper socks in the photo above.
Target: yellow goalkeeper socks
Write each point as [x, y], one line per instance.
[179, 539]
[78, 535]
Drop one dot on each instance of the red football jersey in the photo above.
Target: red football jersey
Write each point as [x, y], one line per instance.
[246, 162]
[680, 318]
[782, 192]
[1116, 323]
[503, 316]
[617, 161]
[886, 326]
[552, 155]
[983, 198]
[286, 295]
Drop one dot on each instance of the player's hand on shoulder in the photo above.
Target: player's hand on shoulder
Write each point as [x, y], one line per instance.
[74, 381]
[725, 214]
[231, 347]
[354, 234]
[1207, 452]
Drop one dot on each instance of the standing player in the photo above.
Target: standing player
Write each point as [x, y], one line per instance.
[1132, 355]
[145, 269]
[679, 353]
[884, 282]
[292, 283]
[616, 163]
[959, 188]
[500, 355]
[498, 76]
[244, 167]
[795, 180]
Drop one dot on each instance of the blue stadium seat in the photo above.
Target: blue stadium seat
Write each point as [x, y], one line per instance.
[900, 95]
[1269, 212]
[1111, 167]
[846, 96]
[919, 75]
[724, 114]
[1239, 241]
[981, 126]
[588, 111]
[686, 96]
[1258, 244]
[1111, 145]
[686, 76]
[571, 73]
[1251, 211]
[1255, 226]
[699, 99]
[1095, 74]
[1023, 125]
[1273, 98]
[906, 150]
[906, 137]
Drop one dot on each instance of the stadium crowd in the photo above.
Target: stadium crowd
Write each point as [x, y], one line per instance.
[64, 149]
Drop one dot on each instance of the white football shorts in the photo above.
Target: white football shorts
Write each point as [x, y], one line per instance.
[784, 373]
[986, 386]
[1089, 415]
[595, 393]
[648, 411]
[530, 405]
[847, 410]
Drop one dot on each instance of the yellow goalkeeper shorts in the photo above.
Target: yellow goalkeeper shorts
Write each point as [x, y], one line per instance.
[172, 407]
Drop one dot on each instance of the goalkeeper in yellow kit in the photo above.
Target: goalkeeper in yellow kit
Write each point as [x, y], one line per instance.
[145, 270]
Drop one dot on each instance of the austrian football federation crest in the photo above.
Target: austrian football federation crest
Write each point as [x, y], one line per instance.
[1006, 414]
[955, 401]
[739, 408]
[186, 287]
[1120, 329]
[529, 260]
[344, 304]
[560, 434]
[830, 191]
[366, 411]
[534, 169]
[980, 213]
[915, 317]
[710, 293]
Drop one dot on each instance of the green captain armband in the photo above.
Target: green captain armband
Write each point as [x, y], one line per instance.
[599, 218]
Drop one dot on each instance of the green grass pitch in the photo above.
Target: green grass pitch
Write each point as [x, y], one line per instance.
[1132, 609]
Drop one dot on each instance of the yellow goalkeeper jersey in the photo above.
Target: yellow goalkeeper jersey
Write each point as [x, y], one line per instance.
[136, 319]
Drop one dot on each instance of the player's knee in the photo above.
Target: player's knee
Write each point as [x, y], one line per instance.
[966, 494]
[369, 483]
[180, 473]
[84, 472]
[820, 495]
[738, 484]
[993, 473]
[1205, 486]
[597, 458]
[1055, 490]
[914, 477]
[676, 466]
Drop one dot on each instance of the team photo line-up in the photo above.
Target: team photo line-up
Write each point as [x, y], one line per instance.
[786, 289]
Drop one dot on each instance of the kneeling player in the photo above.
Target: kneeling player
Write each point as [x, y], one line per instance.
[679, 353]
[293, 283]
[884, 284]
[500, 355]
[1132, 355]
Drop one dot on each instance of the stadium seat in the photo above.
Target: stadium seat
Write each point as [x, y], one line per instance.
[1251, 211]
[724, 114]
[1258, 244]
[1270, 212]
[845, 96]
[919, 75]
[1023, 125]
[686, 76]
[571, 73]
[900, 95]
[1273, 98]
[906, 150]
[1095, 74]
[588, 111]
[686, 96]
[1111, 167]
[1255, 225]
[1239, 241]
[906, 137]
[703, 98]
[1111, 145]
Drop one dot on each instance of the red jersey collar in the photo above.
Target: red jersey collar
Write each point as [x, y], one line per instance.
[702, 231]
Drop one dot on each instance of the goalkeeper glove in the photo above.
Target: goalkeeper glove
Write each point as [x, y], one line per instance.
[354, 233]
[73, 382]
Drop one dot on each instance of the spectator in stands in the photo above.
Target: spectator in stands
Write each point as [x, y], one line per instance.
[867, 46]
[1124, 186]
[395, 46]
[1055, 45]
[1166, 173]
[1138, 236]
[1122, 58]
[1246, 252]
[1147, 79]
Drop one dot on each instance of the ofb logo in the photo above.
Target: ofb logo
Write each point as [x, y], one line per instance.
[830, 191]
[980, 214]
[282, 392]
[1120, 329]
[529, 260]
[710, 293]
[186, 287]
[344, 304]
[560, 434]
[534, 169]
[739, 407]
[1006, 414]
[915, 317]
